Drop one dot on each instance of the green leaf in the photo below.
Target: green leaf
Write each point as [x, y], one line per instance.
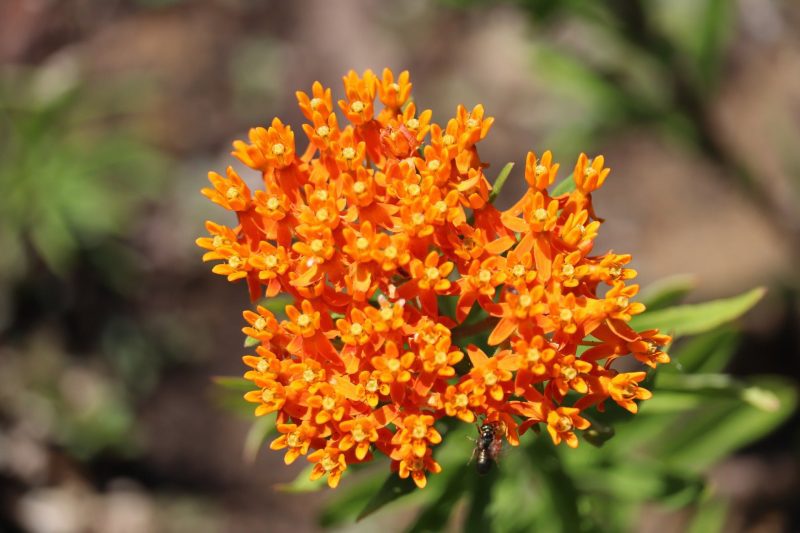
[698, 318]
[259, 431]
[640, 481]
[710, 516]
[276, 305]
[478, 519]
[302, 483]
[667, 291]
[706, 353]
[713, 36]
[561, 490]
[567, 185]
[392, 489]
[436, 513]
[249, 342]
[721, 428]
[346, 505]
[500, 181]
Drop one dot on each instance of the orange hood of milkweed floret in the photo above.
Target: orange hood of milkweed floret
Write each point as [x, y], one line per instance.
[383, 217]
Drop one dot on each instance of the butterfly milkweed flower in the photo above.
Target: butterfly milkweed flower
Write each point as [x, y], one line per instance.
[382, 234]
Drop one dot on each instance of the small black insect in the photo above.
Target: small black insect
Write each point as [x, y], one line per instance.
[488, 446]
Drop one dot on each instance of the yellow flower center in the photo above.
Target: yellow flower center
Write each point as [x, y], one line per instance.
[387, 313]
[303, 320]
[490, 379]
[321, 214]
[413, 189]
[217, 241]
[525, 300]
[472, 123]
[390, 252]
[315, 102]
[309, 375]
[434, 165]
[533, 355]
[416, 464]
[234, 261]
[262, 366]
[440, 358]
[271, 261]
[461, 400]
[232, 193]
[267, 395]
[540, 214]
[260, 323]
[589, 172]
[565, 315]
[484, 276]
[569, 373]
[328, 463]
[539, 171]
[357, 106]
[394, 87]
[372, 385]
[317, 245]
[564, 424]
[321, 195]
[293, 440]
[278, 149]
[448, 139]
[328, 403]
[418, 219]
[349, 153]
[273, 203]
[432, 273]
[362, 243]
[629, 390]
[356, 329]
[419, 432]
[412, 124]
[568, 270]
[393, 365]
[518, 271]
[358, 187]
[622, 302]
[615, 271]
[359, 434]
[441, 206]
[323, 131]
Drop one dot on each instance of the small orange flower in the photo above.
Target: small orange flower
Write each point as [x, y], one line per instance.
[328, 461]
[295, 439]
[624, 389]
[415, 433]
[359, 433]
[562, 423]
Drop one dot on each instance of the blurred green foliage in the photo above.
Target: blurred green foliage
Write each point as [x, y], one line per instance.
[72, 172]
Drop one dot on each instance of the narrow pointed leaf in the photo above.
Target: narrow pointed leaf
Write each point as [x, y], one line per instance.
[302, 483]
[392, 489]
[698, 318]
[567, 185]
[667, 291]
[500, 181]
[259, 431]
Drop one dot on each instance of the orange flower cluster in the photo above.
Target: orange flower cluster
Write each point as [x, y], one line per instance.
[373, 233]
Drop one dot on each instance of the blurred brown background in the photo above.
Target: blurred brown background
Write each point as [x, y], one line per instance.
[112, 112]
